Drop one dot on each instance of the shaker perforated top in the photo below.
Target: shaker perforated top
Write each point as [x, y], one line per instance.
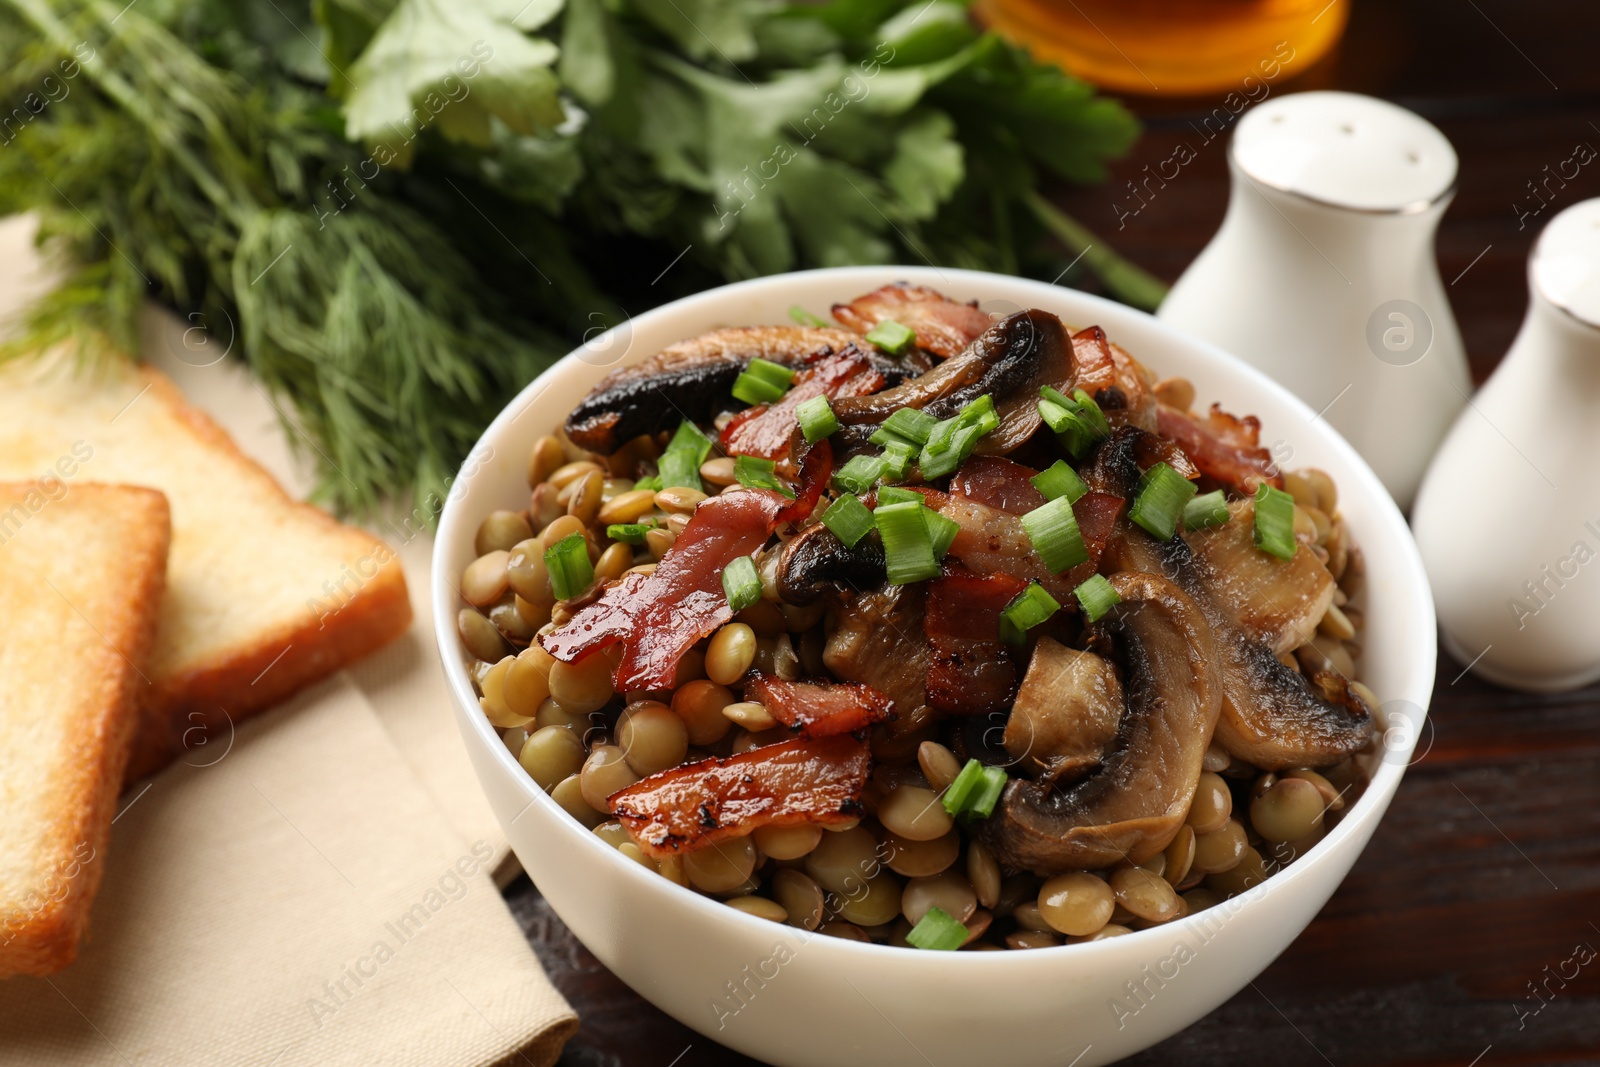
[1565, 265]
[1347, 150]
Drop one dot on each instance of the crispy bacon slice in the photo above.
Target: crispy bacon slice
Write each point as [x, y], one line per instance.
[1120, 384]
[699, 804]
[681, 602]
[765, 430]
[816, 470]
[1227, 449]
[819, 708]
[943, 326]
[998, 483]
[971, 671]
[991, 541]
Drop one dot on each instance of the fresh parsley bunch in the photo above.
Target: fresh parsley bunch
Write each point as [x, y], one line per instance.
[405, 209]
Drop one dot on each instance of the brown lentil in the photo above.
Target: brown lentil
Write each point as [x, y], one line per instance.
[722, 867]
[800, 896]
[699, 704]
[1221, 850]
[500, 530]
[920, 859]
[679, 499]
[939, 765]
[1289, 810]
[1075, 904]
[787, 842]
[1212, 804]
[568, 473]
[1145, 894]
[551, 754]
[947, 891]
[730, 653]
[604, 773]
[984, 874]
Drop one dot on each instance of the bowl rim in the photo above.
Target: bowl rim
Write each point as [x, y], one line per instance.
[1368, 808]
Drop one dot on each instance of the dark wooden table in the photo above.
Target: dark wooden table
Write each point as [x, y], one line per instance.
[1448, 942]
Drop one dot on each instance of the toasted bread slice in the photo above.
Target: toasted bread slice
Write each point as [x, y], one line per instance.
[81, 574]
[264, 594]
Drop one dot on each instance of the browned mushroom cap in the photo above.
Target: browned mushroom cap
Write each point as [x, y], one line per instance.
[1279, 601]
[876, 638]
[1273, 717]
[1009, 362]
[1132, 805]
[692, 379]
[1066, 713]
[817, 562]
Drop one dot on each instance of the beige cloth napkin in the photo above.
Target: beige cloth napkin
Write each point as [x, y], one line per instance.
[242, 893]
[301, 901]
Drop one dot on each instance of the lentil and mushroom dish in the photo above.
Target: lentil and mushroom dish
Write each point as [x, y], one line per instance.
[935, 629]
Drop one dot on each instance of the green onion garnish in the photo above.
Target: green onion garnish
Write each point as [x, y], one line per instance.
[892, 494]
[1163, 495]
[652, 483]
[886, 438]
[951, 441]
[1275, 522]
[1027, 609]
[740, 583]
[975, 790]
[898, 456]
[1053, 529]
[762, 382]
[1096, 596]
[891, 336]
[911, 424]
[859, 475]
[817, 419]
[805, 318]
[942, 531]
[631, 533]
[753, 472]
[1077, 419]
[907, 545]
[937, 930]
[1207, 509]
[679, 467]
[1058, 479]
[568, 563]
[690, 438]
[849, 519]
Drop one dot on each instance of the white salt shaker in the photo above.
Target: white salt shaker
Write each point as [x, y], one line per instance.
[1508, 518]
[1323, 273]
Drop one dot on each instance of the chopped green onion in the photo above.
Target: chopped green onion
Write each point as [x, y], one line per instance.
[768, 371]
[975, 790]
[891, 494]
[891, 336]
[652, 483]
[859, 475]
[952, 440]
[805, 318]
[1275, 522]
[817, 419]
[1077, 419]
[690, 438]
[1163, 495]
[1207, 509]
[849, 519]
[1058, 479]
[937, 930]
[568, 563]
[942, 531]
[753, 390]
[907, 545]
[1096, 596]
[912, 424]
[897, 460]
[1053, 529]
[740, 583]
[886, 438]
[981, 413]
[631, 533]
[753, 472]
[679, 467]
[1027, 609]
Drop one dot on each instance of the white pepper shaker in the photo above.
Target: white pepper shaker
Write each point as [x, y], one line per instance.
[1323, 273]
[1508, 518]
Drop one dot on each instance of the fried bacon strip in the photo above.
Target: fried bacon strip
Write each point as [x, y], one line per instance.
[659, 619]
[819, 708]
[971, 671]
[766, 430]
[1227, 449]
[1120, 384]
[943, 326]
[999, 483]
[694, 806]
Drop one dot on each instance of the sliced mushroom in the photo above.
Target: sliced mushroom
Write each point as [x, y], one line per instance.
[876, 638]
[1272, 716]
[816, 562]
[1129, 808]
[1279, 601]
[1010, 362]
[1066, 713]
[692, 379]
[943, 326]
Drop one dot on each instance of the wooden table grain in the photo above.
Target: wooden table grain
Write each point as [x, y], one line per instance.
[1458, 936]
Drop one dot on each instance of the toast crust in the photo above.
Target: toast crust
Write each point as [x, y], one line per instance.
[198, 707]
[40, 933]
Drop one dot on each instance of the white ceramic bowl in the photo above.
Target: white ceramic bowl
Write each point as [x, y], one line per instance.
[790, 998]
